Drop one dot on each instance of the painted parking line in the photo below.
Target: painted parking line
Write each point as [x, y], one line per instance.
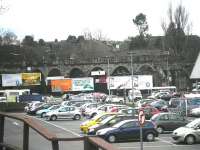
[166, 141]
[70, 131]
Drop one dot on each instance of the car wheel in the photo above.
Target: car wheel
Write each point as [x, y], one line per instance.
[160, 129]
[150, 137]
[111, 138]
[94, 114]
[43, 115]
[190, 139]
[53, 117]
[77, 117]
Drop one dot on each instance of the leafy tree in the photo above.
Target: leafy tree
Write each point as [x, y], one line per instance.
[140, 41]
[141, 22]
[28, 41]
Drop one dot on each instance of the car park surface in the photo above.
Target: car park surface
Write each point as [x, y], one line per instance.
[70, 128]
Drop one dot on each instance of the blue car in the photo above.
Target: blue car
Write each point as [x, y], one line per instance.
[128, 130]
[43, 112]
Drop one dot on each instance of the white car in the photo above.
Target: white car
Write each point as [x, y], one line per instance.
[68, 112]
[195, 112]
[115, 99]
[189, 133]
[94, 111]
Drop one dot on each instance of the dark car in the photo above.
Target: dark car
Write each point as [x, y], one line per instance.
[108, 122]
[128, 130]
[168, 121]
[159, 104]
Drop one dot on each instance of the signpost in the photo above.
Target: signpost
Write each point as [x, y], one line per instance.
[141, 120]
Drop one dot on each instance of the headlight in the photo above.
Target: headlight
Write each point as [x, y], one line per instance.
[100, 132]
[91, 129]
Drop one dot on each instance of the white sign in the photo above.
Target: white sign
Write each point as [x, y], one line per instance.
[11, 80]
[125, 82]
[98, 73]
[82, 84]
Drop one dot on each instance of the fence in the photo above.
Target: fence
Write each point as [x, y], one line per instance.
[90, 143]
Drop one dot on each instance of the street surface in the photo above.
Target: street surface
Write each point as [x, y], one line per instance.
[70, 128]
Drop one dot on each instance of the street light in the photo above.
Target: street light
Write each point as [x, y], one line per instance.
[132, 73]
[108, 75]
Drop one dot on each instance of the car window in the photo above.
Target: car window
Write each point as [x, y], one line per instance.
[164, 117]
[62, 110]
[130, 125]
[72, 108]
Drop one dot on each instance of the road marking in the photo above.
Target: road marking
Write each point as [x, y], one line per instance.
[74, 133]
[165, 141]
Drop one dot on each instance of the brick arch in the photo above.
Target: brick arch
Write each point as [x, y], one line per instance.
[120, 70]
[145, 67]
[76, 72]
[54, 72]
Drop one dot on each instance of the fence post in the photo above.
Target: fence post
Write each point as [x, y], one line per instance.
[55, 145]
[88, 145]
[2, 119]
[26, 137]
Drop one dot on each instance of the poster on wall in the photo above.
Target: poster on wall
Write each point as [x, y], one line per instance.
[125, 82]
[31, 79]
[11, 80]
[82, 84]
[61, 85]
[122, 82]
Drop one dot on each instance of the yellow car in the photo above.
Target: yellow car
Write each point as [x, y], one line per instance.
[95, 120]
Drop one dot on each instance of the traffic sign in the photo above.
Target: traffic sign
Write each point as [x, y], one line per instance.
[141, 117]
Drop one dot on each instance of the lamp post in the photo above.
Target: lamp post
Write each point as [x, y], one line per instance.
[132, 74]
[108, 76]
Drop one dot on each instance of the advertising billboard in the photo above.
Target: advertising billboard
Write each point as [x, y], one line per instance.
[125, 82]
[31, 79]
[82, 84]
[11, 80]
[61, 85]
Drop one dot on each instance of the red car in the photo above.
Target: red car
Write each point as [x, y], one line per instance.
[150, 111]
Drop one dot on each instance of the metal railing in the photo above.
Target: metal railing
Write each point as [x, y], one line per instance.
[90, 143]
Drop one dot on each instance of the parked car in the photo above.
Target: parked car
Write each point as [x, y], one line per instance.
[195, 112]
[168, 121]
[114, 99]
[42, 112]
[160, 104]
[95, 120]
[69, 112]
[129, 111]
[100, 109]
[108, 122]
[144, 102]
[128, 130]
[189, 133]
[33, 107]
[149, 111]
[33, 110]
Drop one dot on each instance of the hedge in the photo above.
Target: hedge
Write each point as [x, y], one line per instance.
[12, 107]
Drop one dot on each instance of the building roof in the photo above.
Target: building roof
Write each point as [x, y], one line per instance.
[196, 69]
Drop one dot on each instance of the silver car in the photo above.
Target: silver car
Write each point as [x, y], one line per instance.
[68, 112]
[189, 134]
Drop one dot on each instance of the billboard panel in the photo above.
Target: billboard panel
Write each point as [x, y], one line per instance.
[125, 82]
[11, 80]
[61, 85]
[82, 84]
[31, 79]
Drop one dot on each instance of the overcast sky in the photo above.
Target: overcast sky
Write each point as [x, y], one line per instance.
[50, 19]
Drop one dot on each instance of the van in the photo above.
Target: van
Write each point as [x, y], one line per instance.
[3, 97]
[136, 95]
